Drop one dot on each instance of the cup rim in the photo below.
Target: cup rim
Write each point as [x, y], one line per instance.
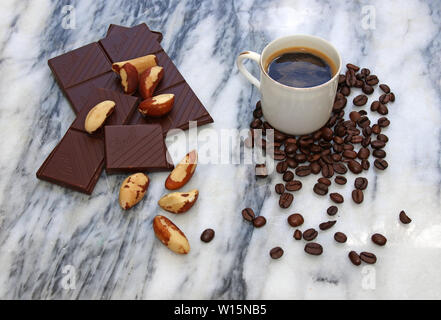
[337, 73]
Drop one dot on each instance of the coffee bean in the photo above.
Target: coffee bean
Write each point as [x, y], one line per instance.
[360, 100]
[363, 153]
[256, 124]
[303, 171]
[353, 67]
[365, 164]
[290, 149]
[345, 90]
[288, 176]
[327, 171]
[364, 122]
[385, 88]
[384, 98]
[357, 196]
[391, 97]
[332, 210]
[285, 200]
[341, 78]
[376, 129]
[354, 166]
[295, 220]
[379, 154]
[379, 239]
[297, 234]
[382, 137]
[276, 252]
[339, 104]
[340, 168]
[340, 180]
[357, 139]
[259, 221]
[404, 218]
[381, 164]
[261, 171]
[313, 249]
[354, 116]
[336, 197]
[248, 214]
[315, 167]
[257, 113]
[207, 235]
[350, 78]
[280, 188]
[290, 140]
[375, 105]
[368, 257]
[382, 109]
[383, 122]
[310, 234]
[350, 154]
[279, 155]
[372, 80]
[324, 181]
[278, 136]
[340, 237]
[367, 131]
[327, 225]
[300, 158]
[366, 142]
[378, 144]
[281, 167]
[320, 189]
[367, 89]
[336, 158]
[355, 258]
[291, 163]
[293, 185]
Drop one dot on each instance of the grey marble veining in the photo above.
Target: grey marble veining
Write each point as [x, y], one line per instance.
[47, 232]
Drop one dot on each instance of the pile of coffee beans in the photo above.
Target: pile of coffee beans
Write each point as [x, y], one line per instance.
[340, 146]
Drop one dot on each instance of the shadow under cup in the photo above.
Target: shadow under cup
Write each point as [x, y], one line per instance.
[293, 110]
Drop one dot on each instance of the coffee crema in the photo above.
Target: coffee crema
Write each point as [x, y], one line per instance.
[300, 67]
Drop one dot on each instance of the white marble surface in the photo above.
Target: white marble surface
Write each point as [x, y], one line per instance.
[44, 228]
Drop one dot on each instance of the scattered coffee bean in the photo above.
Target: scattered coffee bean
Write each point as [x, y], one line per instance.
[248, 214]
[336, 197]
[207, 235]
[291, 163]
[324, 181]
[381, 164]
[355, 258]
[352, 66]
[360, 100]
[363, 153]
[340, 237]
[383, 122]
[368, 257]
[385, 88]
[340, 168]
[303, 171]
[350, 154]
[379, 154]
[285, 200]
[295, 220]
[379, 239]
[293, 185]
[391, 97]
[361, 183]
[259, 221]
[378, 144]
[281, 167]
[404, 218]
[382, 137]
[367, 89]
[315, 167]
[376, 129]
[354, 166]
[357, 196]
[375, 105]
[383, 110]
[354, 116]
[332, 210]
[297, 234]
[365, 164]
[288, 176]
[276, 252]
[340, 180]
[365, 72]
[327, 225]
[372, 80]
[313, 249]
[320, 189]
[280, 188]
[384, 98]
[310, 234]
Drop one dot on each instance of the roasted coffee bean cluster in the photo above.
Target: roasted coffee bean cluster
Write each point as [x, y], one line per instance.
[337, 147]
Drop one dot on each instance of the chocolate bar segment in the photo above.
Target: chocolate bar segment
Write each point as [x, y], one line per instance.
[125, 105]
[76, 162]
[172, 76]
[135, 148]
[79, 94]
[114, 27]
[121, 45]
[79, 65]
[187, 107]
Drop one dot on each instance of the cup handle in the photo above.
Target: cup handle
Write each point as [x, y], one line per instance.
[248, 55]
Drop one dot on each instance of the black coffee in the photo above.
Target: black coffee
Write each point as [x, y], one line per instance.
[300, 68]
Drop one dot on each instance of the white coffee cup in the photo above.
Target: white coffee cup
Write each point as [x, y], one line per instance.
[293, 110]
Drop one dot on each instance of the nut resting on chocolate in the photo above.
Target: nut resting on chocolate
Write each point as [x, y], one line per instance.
[157, 106]
[98, 115]
[132, 190]
[149, 80]
[179, 202]
[182, 173]
[129, 78]
[170, 235]
[141, 63]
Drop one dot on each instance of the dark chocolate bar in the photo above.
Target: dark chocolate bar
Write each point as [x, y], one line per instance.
[135, 148]
[79, 65]
[117, 28]
[125, 105]
[76, 162]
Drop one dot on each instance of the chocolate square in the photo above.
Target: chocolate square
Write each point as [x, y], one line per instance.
[79, 94]
[121, 45]
[172, 76]
[79, 65]
[125, 105]
[113, 28]
[76, 162]
[135, 148]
